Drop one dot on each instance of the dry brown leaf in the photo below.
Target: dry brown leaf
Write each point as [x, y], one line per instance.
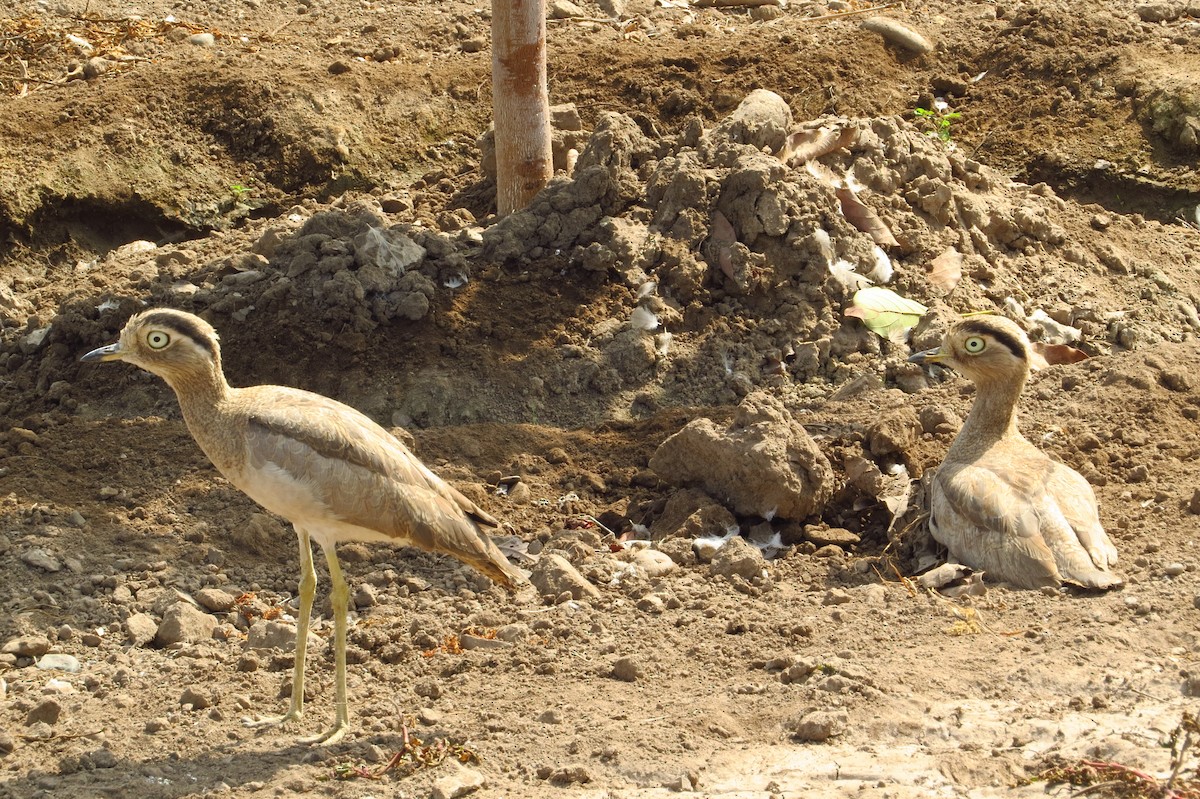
[723, 237]
[1050, 354]
[864, 218]
[946, 270]
[807, 145]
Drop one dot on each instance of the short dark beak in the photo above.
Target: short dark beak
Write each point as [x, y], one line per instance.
[112, 352]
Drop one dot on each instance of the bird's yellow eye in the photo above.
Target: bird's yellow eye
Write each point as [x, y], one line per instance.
[975, 345]
[157, 339]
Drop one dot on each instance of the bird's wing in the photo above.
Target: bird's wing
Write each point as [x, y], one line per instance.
[989, 524]
[336, 431]
[1077, 501]
[363, 477]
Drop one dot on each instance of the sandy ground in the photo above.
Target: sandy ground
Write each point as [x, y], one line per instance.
[272, 166]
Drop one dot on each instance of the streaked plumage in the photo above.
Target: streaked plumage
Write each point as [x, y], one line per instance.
[998, 503]
[328, 469]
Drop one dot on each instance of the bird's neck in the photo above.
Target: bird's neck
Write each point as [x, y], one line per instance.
[200, 395]
[993, 417]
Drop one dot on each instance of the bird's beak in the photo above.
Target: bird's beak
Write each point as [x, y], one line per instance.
[112, 352]
[934, 355]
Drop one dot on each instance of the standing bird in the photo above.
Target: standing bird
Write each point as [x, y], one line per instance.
[998, 503]
[328, 469]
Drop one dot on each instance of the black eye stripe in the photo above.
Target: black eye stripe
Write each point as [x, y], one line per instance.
[183, 327]
[1002, 337]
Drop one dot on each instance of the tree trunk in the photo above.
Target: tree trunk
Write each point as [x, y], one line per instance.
[520, 102]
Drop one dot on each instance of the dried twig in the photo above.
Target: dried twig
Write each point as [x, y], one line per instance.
[840, 14]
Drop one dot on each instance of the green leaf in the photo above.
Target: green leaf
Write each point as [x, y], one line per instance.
[885, 312]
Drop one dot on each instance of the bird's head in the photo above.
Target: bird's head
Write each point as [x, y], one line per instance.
[983, 349]
[171, 344]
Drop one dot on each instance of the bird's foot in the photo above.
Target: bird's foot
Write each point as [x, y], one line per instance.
[273, 721]
[331, 736]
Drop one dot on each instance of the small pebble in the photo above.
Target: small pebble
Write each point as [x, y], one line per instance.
[626, 669]
[27, 646]
[202, 39]
[40, 559]
[67, 663]
[1174, 569]
[157, 725]
[47, 712]
[198, 698]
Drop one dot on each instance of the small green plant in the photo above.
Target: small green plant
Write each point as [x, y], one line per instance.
[940, 118]
[238, 190]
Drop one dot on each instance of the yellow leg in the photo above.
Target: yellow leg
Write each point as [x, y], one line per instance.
[339, 596]
[308, 589]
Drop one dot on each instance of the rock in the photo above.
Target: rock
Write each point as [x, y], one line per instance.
[156, 725]
[763, 464]
[468, 641]
[215, 600]
[679, 550]
[38, 731]
[462, 782]
[817, 726]
[366, 596]
[268, 634]
[1159, 12]
[613, 8]
[185, 623]
[202, 39]
[428, 688]
[894, 435]
[517, 631]
[47, 711]
[737, 556]
[198, 698]
[568, 775]
[762, 120]
[836, 596]
[7, 744]
[822, 536]
[1174, 569]
[554, 575]
[564, 9]
[692, 514]
[59, 662]
[41, 559]
[27, 646]
[626, 669]
[652, 562]
[141, 628]
[651, 603]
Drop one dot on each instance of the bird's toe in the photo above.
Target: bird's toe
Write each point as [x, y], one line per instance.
[272, 721]
[331, 736]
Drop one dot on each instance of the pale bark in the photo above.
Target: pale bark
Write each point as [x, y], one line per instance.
[520, 102]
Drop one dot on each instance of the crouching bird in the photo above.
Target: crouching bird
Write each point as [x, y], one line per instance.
[999, 504]
[328, 469]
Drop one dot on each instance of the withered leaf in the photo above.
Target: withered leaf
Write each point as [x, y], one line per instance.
[863, 217]
[1050, 354]
[946, 270]
[722, 238]
[807, 145]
